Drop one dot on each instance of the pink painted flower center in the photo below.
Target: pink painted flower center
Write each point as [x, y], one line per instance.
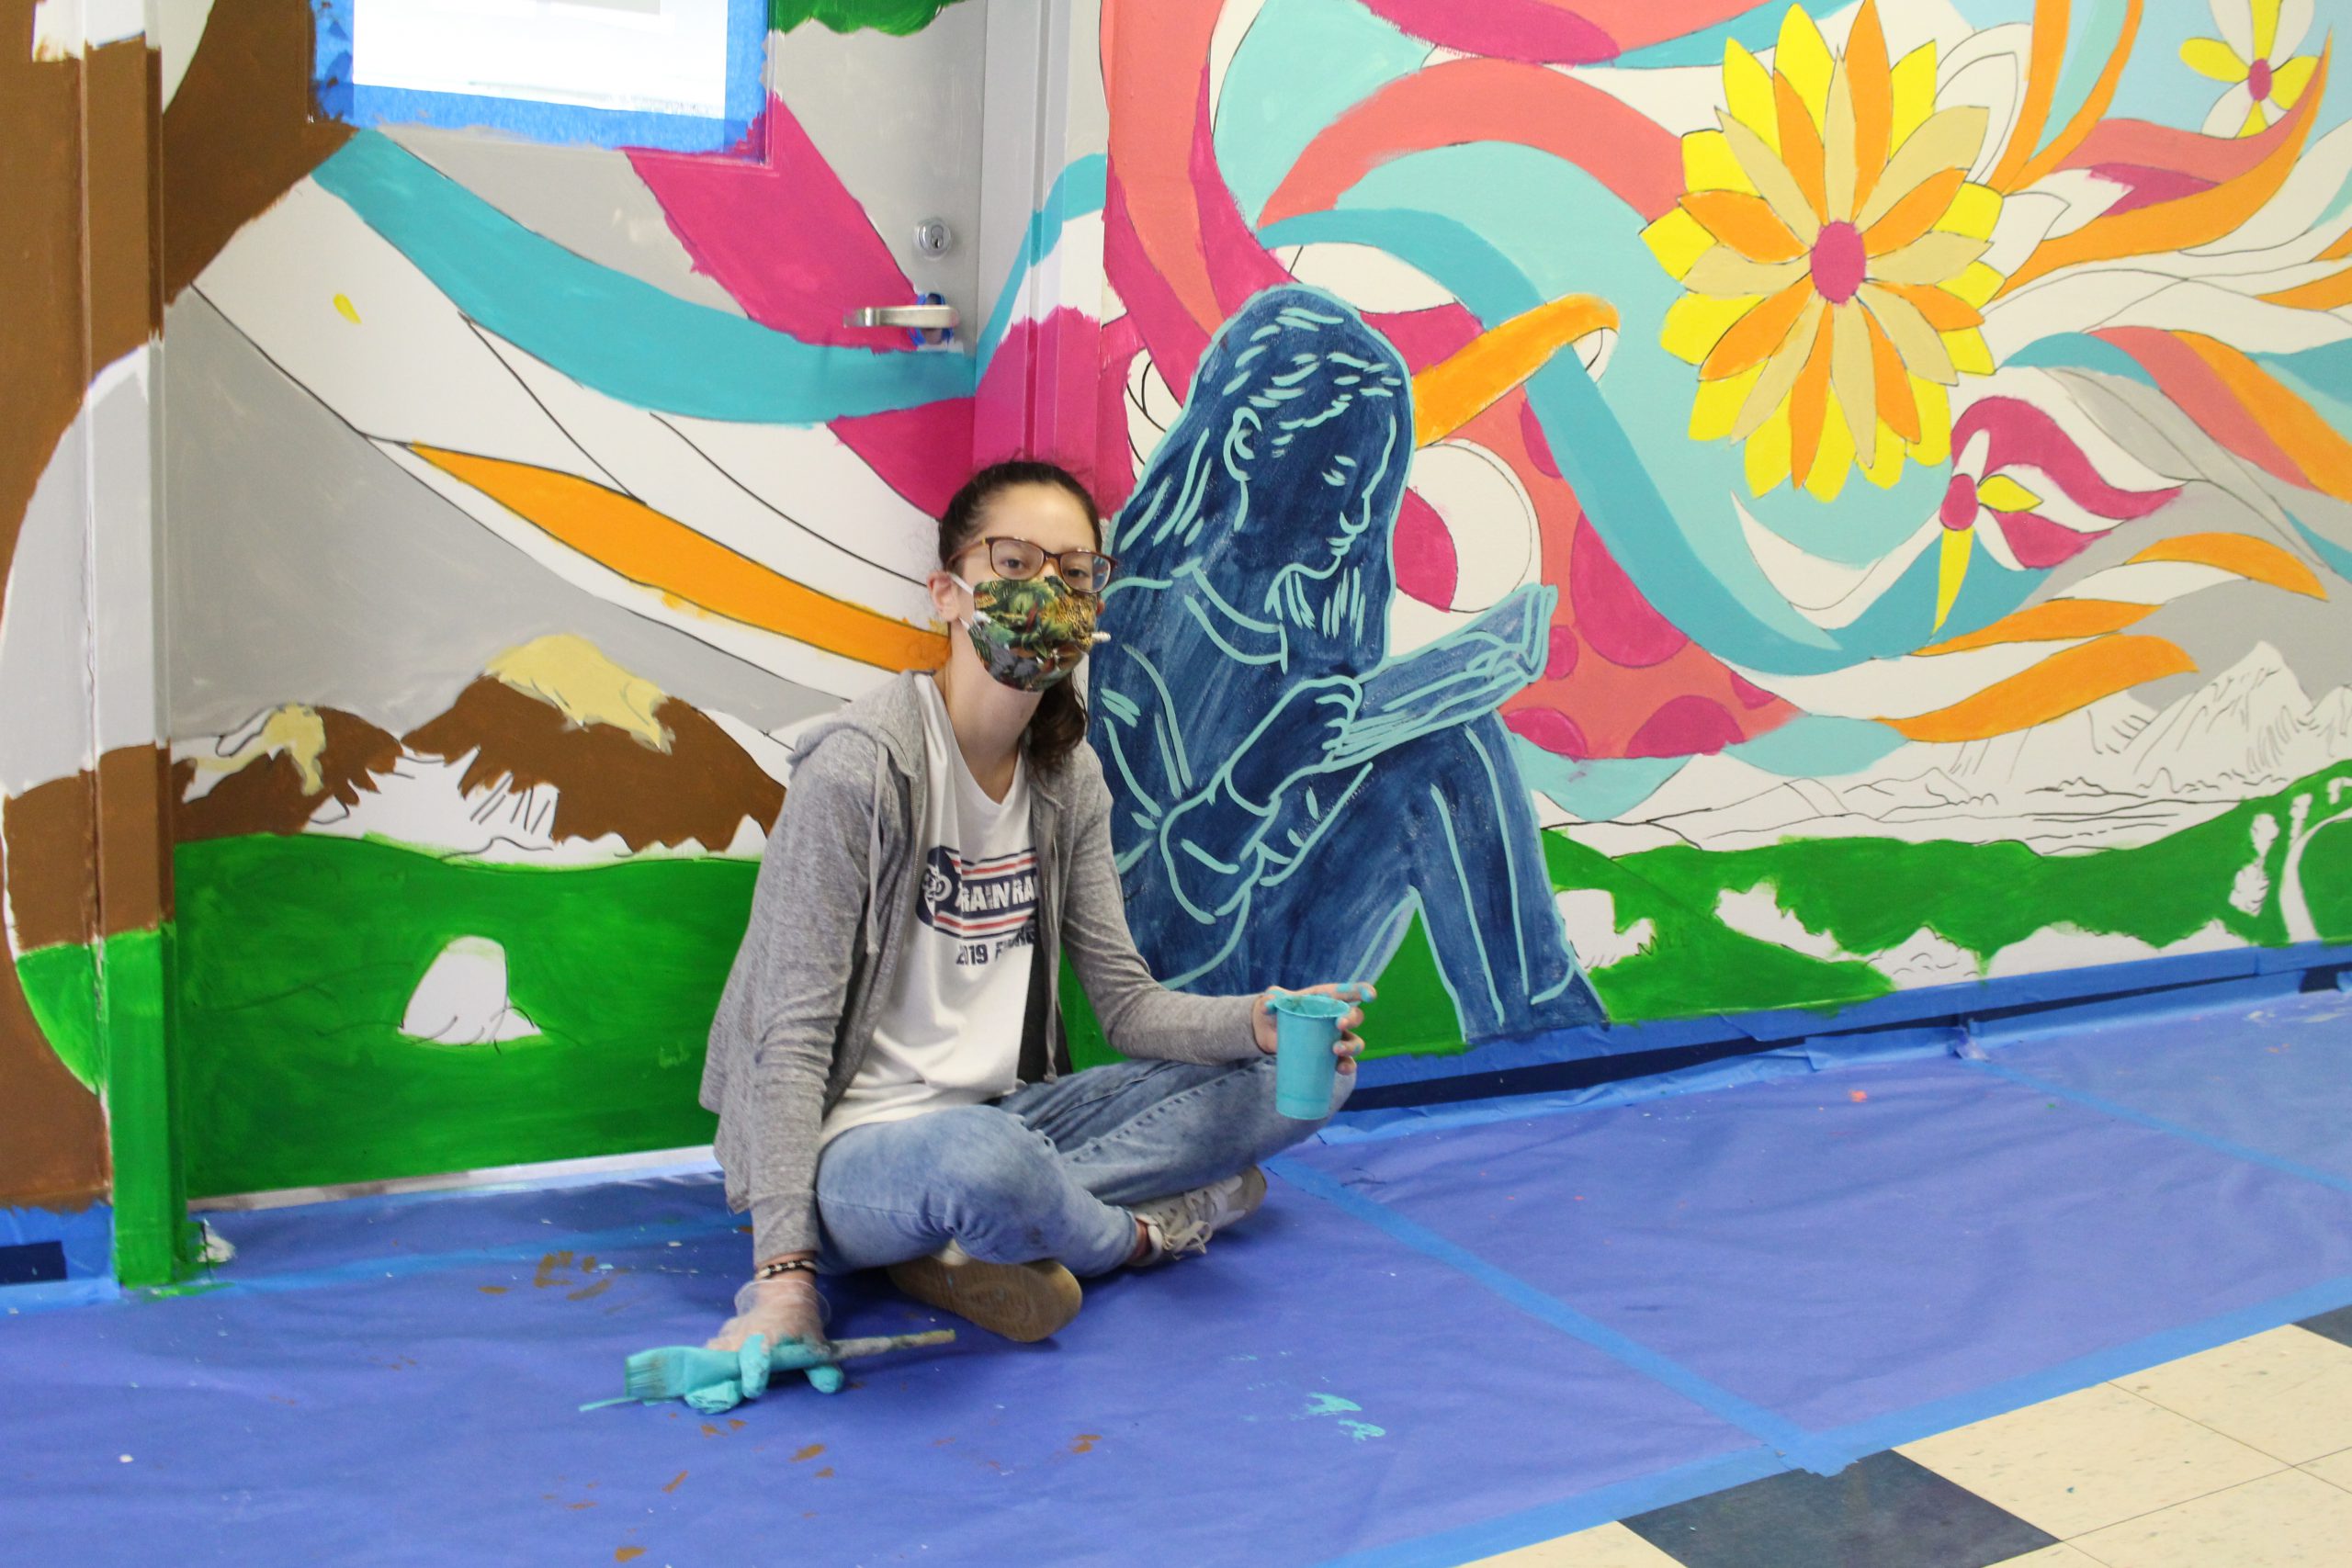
[2258, 79]
[1958, 510]
[1839, 262]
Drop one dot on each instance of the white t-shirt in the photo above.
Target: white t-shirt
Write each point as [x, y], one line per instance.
[949, 1032]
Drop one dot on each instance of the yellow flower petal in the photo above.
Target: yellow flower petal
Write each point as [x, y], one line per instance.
[1696, 323]
[1834, 460]
[1914, 79]
[1889, 467]
[1767, 456]
[1677, 240]
[1718, 404]
[1976, 286]
[2287, 82]
[1802, 56]
[1707, 163]
[1969, 354]
[1951, 570]
[1934, 447]
[1747, 87]
[1974, 211]
[2255, 120]
[2265, 27]
[2211, 57]
[2003, 493]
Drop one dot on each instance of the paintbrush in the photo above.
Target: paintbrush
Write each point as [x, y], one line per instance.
[720, 1378]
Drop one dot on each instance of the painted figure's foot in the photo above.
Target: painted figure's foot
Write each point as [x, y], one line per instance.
[1181, 1226]
[1020, 1300]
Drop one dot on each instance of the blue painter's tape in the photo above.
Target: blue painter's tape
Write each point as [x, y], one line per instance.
[402, 1265]
[2106, 1107]
[1078, 190]
[1826, 1051]
[340, 97]
[57, 1295]
[1776, 1431]
[85, 1235]
[2199, 997]
[410, 1263]
[1989, 1006]
[621, 336]
[1604, 1506]
[1729, 1072]
[2085, 1371]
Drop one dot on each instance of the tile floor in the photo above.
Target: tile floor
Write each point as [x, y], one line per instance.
[2239, 1456]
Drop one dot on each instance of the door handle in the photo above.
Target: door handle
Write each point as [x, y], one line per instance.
[916, 318]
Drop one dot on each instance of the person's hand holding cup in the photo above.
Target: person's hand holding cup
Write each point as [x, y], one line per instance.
[1311, 1034]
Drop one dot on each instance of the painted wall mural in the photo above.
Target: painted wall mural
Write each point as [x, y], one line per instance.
[1631, 512]
[1288, 795]
[521, 501]
[1921, 426]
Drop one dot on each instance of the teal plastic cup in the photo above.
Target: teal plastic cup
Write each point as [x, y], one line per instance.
[1305, 1028]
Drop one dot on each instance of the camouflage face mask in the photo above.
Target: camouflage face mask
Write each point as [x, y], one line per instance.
[1031, 633]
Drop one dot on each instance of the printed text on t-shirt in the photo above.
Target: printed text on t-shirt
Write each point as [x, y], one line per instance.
[986, 906]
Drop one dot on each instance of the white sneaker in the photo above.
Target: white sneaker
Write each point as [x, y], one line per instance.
[1181, 1226]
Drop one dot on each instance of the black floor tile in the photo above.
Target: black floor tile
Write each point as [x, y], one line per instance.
[2337, 1325]
[1883, 1512]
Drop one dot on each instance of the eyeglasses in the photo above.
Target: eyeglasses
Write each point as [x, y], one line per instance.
[1018, 561]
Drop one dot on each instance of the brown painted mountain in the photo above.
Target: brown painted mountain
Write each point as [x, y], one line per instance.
[280, 774]
[566, 745]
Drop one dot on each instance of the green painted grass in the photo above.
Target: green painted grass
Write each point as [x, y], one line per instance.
[900, 16]
[296, 958]
[1870, 893]
[1696, 966]
[60, 985]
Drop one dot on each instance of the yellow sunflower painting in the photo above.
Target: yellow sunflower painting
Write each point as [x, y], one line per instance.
[1830, 242]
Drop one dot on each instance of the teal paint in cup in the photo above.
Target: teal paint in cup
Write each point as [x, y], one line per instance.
[1305, 1028]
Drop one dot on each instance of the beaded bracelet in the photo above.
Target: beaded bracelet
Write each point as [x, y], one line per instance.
[785, 1266]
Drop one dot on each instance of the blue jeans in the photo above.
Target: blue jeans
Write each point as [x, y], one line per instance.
[1046, 1171]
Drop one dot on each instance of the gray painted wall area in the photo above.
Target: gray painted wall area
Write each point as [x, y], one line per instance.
[44, 631]
[899, 118]
[301, 565]
[2219, 626]
[584, 199]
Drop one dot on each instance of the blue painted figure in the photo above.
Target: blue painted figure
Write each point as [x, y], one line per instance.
[1286, 795]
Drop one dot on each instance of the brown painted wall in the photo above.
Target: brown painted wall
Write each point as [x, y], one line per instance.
[239, 132]
[57, 329]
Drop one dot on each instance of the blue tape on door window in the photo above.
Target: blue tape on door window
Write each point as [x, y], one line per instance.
[340, 97]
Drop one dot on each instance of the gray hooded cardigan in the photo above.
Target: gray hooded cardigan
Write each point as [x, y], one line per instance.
[831, 916]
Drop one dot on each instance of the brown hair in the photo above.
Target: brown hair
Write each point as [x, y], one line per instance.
[1058, 726]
